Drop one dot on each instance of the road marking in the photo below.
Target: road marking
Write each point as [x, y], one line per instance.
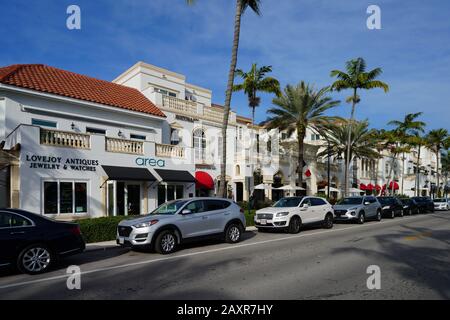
[203, 252]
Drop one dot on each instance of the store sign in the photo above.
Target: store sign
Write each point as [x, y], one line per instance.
[150, 162]
[57, 163]
[184, 118]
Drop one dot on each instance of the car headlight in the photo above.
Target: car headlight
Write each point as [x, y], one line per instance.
[146, 224]
[282, 214]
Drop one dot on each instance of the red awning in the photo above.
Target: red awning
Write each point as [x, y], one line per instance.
[370, 187]
[377, 187]
[394, 185]
[362, 186]
[204, 181]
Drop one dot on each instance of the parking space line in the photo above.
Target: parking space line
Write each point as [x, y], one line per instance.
[174, 257]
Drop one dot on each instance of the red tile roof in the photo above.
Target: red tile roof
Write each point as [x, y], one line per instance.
[68, 84]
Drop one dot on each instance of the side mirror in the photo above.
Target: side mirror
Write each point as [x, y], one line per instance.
[305, 206]
[186, 211]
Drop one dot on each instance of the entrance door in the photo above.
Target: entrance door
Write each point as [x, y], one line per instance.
[133, 192]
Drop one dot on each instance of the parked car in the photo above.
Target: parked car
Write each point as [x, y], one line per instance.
[291, 213]
[441, 204]
[33, 243]
[358, 209]
[425, 204]
[183, 220]
[410, 206]
[391, 207]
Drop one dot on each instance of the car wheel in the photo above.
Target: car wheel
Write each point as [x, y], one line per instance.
[166, 242]
[379, 215]
[233, 233]
[361, 218]
[402, 213]
[328, 222]
[294, 225]
[392, 214]
[35, 259]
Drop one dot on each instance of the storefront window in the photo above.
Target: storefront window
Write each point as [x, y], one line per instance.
[169, 193]
[50, 197]
[65, 197]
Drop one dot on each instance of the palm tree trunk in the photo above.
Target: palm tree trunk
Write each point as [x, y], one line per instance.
[234, 52]
[403, 171]
[301, 144]
[437, 171]
[349, 142]
[418, 172]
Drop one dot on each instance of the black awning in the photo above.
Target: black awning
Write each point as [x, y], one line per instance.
[126, 173]
[175, 175]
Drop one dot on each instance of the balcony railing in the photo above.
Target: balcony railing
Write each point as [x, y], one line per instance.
[124, 146]
[65, 139]
[169, 151]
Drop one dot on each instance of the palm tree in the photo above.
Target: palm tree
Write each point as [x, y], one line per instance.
[362, 142]
[297, 108]
[417, 141]
[256, 81]
[241, 6]
[405, 129]
[438, 140]
[356, 78]
[445, 160]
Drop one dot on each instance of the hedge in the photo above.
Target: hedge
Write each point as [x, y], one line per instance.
[104, 229]
[99, 229]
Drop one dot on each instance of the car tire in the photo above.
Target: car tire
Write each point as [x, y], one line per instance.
[328, 221]
[295, 225]
[166, 242]
[392, 216]
[233, 233]
[361, 218]
[35, 259]
[402, 213]
[379, 216]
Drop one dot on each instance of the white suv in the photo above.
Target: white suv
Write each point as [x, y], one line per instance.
[291, 213]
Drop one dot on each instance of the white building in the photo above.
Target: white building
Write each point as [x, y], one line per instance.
[73, 146]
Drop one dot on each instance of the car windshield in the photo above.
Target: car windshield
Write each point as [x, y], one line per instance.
[350, 201]
[169, 208]
[405, 201]
[440, 200]
[419, 199]
[385, 200]
[288, 202]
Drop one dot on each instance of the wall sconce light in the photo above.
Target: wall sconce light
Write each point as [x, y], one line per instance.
[73, 126]
[120, 134]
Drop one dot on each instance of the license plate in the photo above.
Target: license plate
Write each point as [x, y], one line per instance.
[263, 221]
[121, 240]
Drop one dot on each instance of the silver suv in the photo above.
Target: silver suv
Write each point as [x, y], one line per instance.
[358, 209]
[180, 220]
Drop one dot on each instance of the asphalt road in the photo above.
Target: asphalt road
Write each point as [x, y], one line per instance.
[413, 254]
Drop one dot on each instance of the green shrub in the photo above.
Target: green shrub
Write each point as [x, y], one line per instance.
[99, 229]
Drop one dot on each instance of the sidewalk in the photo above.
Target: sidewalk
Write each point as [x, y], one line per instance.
[97, 246]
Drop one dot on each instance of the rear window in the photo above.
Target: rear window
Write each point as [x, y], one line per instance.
[212, 205]
[317, 202]
[440, 200]
[9, 220]
[385, 200]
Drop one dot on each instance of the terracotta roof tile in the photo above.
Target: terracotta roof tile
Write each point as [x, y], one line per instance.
[68, 84]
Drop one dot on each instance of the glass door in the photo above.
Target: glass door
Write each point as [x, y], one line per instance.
[133, 199]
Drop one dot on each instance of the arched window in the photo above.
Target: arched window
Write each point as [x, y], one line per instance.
[238, 170]
[199, 145]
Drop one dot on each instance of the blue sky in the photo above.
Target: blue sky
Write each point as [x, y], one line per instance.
[301, 39]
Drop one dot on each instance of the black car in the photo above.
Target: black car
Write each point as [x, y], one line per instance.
[425, 204]
[391, 207]
[32, 242]
[410, 206]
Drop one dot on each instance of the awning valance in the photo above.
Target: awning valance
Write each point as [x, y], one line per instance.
[175, 175]
[204, 180]
[128, 174]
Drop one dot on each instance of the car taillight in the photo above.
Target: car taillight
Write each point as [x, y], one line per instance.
[241, 210]
[76, 230]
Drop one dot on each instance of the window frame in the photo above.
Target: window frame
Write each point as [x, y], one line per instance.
[96, 129]
[58, 197]
[32, 224]
[42, 121]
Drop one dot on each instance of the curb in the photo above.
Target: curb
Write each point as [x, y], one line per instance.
[103, 246]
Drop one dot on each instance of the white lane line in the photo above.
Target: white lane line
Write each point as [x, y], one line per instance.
[203, 252]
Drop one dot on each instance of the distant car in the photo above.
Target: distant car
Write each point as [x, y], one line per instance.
[33, 243]
[410, 206]
[358, 209]
[441, 204]
[391, 207]
[183, 220]
[425, 204]
[291, 213]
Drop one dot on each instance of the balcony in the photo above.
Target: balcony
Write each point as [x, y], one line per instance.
[193, 109]
[65, 139]
[170, 151]
[124, 146]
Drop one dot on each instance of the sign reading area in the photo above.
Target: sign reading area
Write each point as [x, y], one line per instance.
[150, 162]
